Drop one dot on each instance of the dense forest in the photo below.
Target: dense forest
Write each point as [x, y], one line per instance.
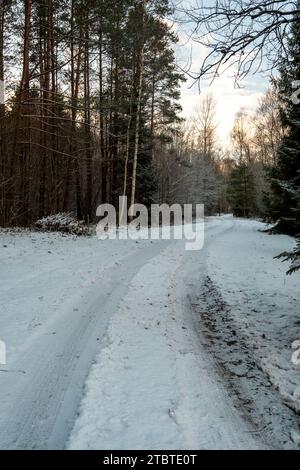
[92, 112]
[92, 90]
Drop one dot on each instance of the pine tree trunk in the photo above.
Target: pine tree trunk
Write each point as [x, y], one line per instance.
[23, 107]
[88, 137]
[137, 126]
[2, 117]
[101, 120]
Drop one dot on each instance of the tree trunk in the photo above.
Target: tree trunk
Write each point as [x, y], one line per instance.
[88, 137]
[23, 106]
[137, 125]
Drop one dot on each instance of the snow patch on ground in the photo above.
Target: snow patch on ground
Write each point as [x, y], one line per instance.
[264, 302]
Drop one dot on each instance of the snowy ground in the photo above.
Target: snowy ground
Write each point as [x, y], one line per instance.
[117, 330]
[57, 297]
[263, 304]
[153, 387]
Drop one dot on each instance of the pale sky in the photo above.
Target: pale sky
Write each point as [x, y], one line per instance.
[228, 98]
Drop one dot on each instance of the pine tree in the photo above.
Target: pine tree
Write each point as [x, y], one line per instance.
[241, 191]
[284, 207]
[285, 176]
[294, 256]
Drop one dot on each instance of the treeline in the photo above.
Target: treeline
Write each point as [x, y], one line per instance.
[255, 140]
[193, 171]
[92, 96]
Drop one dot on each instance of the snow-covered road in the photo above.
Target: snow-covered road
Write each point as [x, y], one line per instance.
[105, 328]
[153, 386]
[53, 321]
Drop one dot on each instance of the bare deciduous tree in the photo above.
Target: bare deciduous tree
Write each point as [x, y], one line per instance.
[268, 128]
